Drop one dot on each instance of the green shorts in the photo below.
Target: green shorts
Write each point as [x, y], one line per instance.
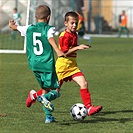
[123, 28]
[47, 79]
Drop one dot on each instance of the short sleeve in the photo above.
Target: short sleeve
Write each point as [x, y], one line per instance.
[64, 42]
[22, 29]
[51, 32]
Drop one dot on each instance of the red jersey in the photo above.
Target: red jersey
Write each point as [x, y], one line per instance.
[67, 66]
[67, 41]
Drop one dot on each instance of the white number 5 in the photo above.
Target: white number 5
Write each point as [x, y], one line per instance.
[37, 42]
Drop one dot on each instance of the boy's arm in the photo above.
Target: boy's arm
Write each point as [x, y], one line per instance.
[21, 29]
[52, 41]
[66, 46]
[79, 47]
[57, 50]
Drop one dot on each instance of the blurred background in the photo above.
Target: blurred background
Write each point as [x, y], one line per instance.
[99, 16]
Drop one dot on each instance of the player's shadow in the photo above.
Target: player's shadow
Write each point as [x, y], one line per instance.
[99, 117]
[114, 112]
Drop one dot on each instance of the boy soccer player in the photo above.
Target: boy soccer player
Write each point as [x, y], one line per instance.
[66, 68]
[39, 43]
[17, 18]
[123, 24]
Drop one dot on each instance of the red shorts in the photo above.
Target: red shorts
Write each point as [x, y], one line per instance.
[70, 78]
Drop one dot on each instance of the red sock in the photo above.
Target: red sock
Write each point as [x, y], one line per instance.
[86, 98]
[39, 92]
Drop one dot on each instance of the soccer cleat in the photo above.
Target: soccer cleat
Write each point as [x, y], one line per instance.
[47, 104]
[94, 109]
[49, 119]
[30, 99]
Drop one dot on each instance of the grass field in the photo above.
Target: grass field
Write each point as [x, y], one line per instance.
[108, 69]
[6, 42]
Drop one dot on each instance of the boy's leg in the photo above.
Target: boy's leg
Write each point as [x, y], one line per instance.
[47, 110]
[49, 117]
[13, 35]
[46, 81]
[127, 31]
[85, 94]
[86, 98]
[55, 93]
[31, 98]
[51, 95]
[119, 32]
[45, 102]
[46, 98]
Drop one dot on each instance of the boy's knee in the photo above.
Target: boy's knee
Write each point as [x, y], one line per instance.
[84, 84]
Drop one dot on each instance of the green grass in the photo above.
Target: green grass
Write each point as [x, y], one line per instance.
[108, 70]
[6, 42]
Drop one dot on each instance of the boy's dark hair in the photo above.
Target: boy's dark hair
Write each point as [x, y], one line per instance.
[15, 9]
[123, 11]
[42, 12]
[71, 14]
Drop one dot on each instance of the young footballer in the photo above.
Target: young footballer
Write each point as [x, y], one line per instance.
[40, 43]
[67, 68]
[123, 24]
[17, 19]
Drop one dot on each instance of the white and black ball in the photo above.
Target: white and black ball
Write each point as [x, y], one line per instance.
[78, 111]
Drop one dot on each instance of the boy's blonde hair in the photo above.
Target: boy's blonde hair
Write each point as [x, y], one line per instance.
[42, 12]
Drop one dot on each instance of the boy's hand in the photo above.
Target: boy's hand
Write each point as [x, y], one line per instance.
[12, 25]
[82, 46]
[60, 54]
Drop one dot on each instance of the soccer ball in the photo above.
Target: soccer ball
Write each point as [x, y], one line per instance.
[78, 111]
